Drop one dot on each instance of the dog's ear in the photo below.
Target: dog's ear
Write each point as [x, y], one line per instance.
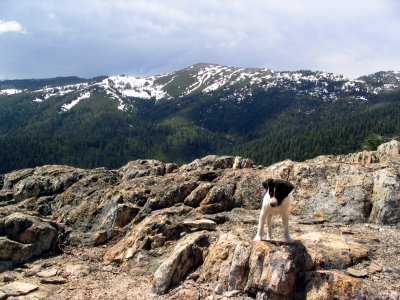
[266, 183]
[288, 187]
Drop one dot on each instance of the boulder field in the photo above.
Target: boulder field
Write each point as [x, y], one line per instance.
[154, 230]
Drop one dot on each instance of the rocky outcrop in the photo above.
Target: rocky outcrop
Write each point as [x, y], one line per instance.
[187, 256]
[153, 232]
[140, 168]
[23, 237]
[213, 162]
[189, 230]
[342, 192]
[389, 152]
[41, 181]
[322, 285]
[275, 269]
[332, 251]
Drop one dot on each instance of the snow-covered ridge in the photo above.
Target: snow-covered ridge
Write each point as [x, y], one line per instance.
[240, 83]
[236, 83]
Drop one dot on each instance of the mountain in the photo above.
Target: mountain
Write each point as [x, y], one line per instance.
[206, 108]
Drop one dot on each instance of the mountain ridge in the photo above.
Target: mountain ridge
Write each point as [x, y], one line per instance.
[203, 109]
[195, 78]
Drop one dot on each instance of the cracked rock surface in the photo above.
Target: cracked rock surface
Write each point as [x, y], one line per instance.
[153, 230]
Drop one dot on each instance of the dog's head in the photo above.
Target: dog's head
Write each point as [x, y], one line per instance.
[278, 190]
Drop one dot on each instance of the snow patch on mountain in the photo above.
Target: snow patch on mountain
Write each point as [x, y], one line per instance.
[10, 91]
[113, 93]
[67, 107]
[49, 92]
[129, 86]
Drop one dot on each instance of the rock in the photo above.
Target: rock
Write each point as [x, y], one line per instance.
[233, 293]
[187, 256]
[47, 273]
[108, 268]
[235, 263]
[170, 192]
[157, 228]
[223, 162]
[33, 271]
[5, 264]
[211, 162]
[41, 205]
[324, 285]
[100, 237]
[54, 280]
[331, 251]
[18, 288]
[374, 268]
[12, 178]
[389, 151]
[202, 224]
[219, 218]
[80, 205]
[140, 168]
[41, 181]
[219, 198]
[77, 270]
[386, 197]
[357, 273]
[350, 191]
[6, 197]
[27, 237]
[275, 269]
[241, 163]
[346, 230]
[170, 167]
[187, 294]
[198, 194]
[217, 263]
[237, 272]
[114, 214]
[8, 278]
[207, 175]
[248, 189]
[14, 252]
[126, 212]
[364, 158]
[312, 221]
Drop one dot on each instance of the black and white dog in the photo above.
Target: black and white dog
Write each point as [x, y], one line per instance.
[275, 202]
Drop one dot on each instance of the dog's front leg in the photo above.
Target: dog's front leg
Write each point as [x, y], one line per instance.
[285, 222]
[261, 221]
[269, 227]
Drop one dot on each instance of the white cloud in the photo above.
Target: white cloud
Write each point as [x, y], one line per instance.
[143, 37]
[11, 26]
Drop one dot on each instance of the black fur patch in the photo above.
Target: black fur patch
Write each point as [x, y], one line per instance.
[278, 188]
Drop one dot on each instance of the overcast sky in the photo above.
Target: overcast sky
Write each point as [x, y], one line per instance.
[47, 38]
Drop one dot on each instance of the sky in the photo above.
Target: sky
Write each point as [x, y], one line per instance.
[88, 38]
